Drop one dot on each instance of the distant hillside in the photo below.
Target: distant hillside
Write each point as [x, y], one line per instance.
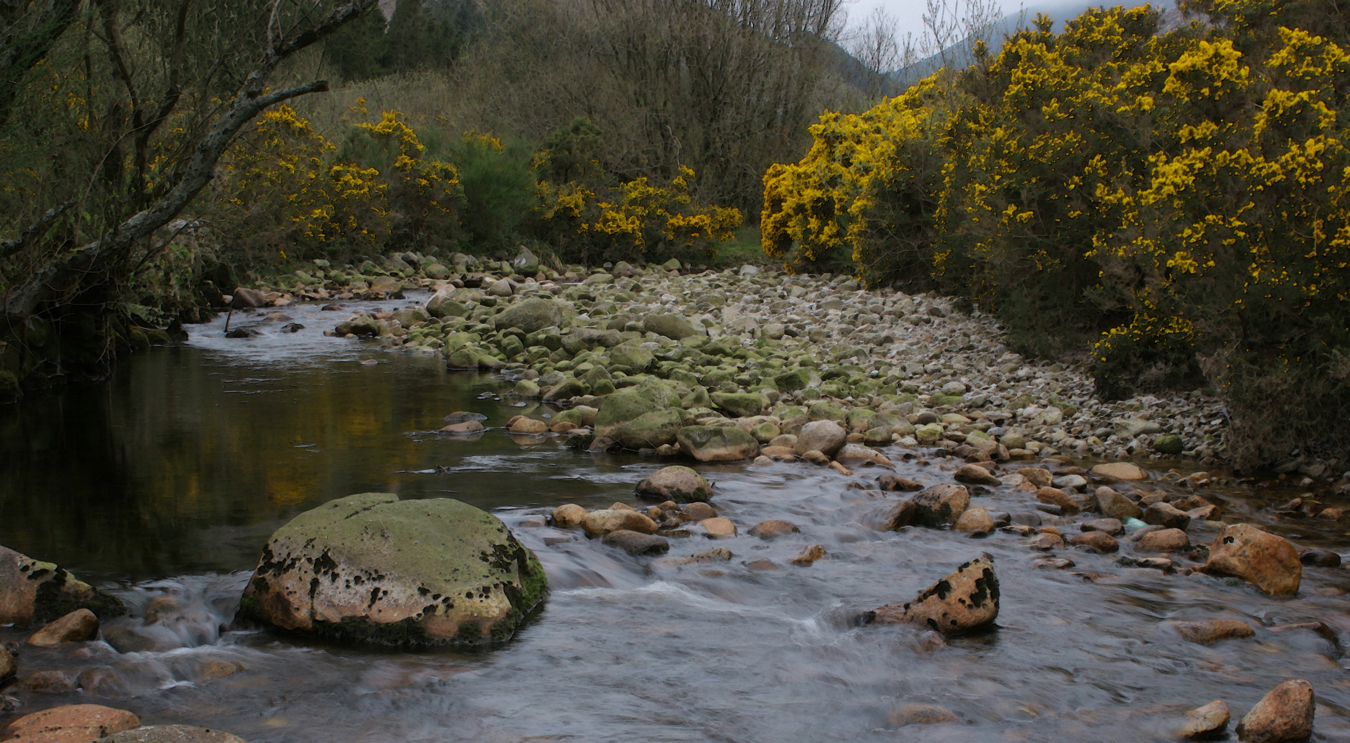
[960, 52]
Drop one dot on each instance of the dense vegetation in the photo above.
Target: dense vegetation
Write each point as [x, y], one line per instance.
[1181, 197]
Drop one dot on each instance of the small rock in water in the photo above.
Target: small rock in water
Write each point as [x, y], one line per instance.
[369, 362]
[920, 714]
[1097, 540]
[718, 528]
[462, 416]
[975, 521]
[7, 665]
[1164, 540]
[965, 600]
[1055, 563]
[773, 528]
[974, 474]
[1320, 558]
[636, 543]
[463, 428]
[1108, 526]
[78, 626]
[568, 515]
[1284, 715]
[810, 555]
[699, 511]
[1166, 515]
[675, 483]
[1206, 722]
[940, 504]
[1263, 559]
[601, 522]
[47, 682]
[896, 483]
[1209, 631]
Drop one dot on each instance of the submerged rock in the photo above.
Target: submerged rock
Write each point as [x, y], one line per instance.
[1265, 560]
[36, 591]
[172, 734]
[372, 568]
[965, 600]
[636, 543]
[1210, 631]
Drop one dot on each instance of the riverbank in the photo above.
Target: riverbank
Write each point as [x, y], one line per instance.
[917, 361]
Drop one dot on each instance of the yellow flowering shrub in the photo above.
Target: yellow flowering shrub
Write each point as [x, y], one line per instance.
[1181, 199]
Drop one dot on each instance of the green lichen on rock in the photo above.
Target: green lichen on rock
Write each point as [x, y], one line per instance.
[372, 569]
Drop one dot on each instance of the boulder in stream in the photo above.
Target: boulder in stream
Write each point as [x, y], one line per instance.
[36, 591]
[965, 600]
[1284, 715]
[374, 569]
[675, 483]
[1265, 560]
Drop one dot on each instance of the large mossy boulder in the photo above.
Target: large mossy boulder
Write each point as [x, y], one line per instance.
[619, 409]
[650, 430]
[32, 591]
[371, 568]
[531, 315]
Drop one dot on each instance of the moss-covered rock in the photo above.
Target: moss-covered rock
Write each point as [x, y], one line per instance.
[677, 483]
[373, 569]
[670, 326]
[530, 315]
[650, 430]
[739, 404]
[619, 409]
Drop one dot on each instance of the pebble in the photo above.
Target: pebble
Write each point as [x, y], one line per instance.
[773, 528]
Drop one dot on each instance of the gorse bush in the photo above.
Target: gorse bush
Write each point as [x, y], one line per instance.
[1181, 197]
[291, 194]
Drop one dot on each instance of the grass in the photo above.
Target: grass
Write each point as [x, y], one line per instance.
[744, 248]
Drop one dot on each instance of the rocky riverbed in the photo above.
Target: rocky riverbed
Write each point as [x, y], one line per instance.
[761, 345]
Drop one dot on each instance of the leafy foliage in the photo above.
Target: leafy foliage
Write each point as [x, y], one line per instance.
[1181, 196]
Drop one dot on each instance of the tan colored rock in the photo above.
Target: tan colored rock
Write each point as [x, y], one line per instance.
[940, 504]
[975, 520]
[1206, 722]
[1124, 471]
[817, 458]
[676, 483]
[568, 515]
[974, 474]
[72, 723]
[1114, 505]
[779, 453]
[824, 436]
[529, 426]
[1097, 540]
[965, 600]
[1265, 560]
[718, 528]
[891, 482]
[601, 522]
[1046, 541]
[699, 511]
[1210, 631]
[1284, 715]
[857, 455]
[1165, 514]
[773, 529]
[78, 626]
[1167, 540]
[1057, 497]
[1038, 476]
[463, 428]
[809, 555]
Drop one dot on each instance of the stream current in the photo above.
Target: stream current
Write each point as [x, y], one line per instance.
[165, 483]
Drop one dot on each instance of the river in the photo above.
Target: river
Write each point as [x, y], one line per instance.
[168, 479]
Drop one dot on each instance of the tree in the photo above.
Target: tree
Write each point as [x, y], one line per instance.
[117, 128]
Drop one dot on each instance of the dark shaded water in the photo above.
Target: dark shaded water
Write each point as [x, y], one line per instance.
[168, 480]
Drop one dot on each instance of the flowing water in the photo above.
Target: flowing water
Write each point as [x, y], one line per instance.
[164, 484]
